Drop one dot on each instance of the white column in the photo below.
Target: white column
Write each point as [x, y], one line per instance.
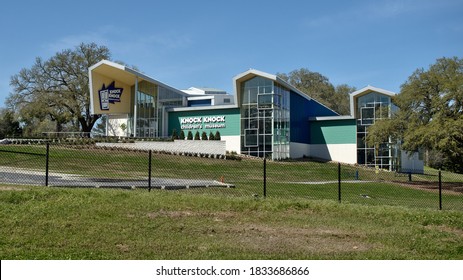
[135, 108]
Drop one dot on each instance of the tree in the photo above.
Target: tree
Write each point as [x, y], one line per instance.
[204, 135]
[217, 136]
[189, 135]
[182, 135]
[58, 88]
[211, 136]
[174, 134]
[99, 128]
[318, 87]
[340, 101]
[8, 126]
[430, 113]
[197, 135]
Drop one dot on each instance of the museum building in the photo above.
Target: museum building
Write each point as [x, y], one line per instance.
[264, 117]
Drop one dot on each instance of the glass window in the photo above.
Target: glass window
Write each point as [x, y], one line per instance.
[370, 107]
[265, 101]
[250, 137]
[265, 118]
[367, 115]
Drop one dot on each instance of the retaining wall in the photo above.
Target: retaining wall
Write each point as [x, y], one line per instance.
[177, 146]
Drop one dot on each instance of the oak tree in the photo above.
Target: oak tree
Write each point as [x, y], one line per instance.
[58, 88]
[430, 114]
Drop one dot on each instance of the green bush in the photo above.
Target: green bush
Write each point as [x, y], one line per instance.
[174, 134]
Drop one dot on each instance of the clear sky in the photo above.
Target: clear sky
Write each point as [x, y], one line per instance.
[206, 43]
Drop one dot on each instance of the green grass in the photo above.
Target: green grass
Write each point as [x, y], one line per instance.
[284, 179]
[62, 223]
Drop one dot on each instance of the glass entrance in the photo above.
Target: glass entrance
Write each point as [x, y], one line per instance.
[151, 103]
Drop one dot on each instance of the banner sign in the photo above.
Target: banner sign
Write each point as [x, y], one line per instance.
[110, 94]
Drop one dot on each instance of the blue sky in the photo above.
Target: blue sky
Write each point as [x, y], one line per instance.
[206, 43]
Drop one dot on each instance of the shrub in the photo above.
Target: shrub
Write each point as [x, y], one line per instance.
[182, 135]
[174, 134]
[211, 136]
[204, 136]
[197, 135]
[190, 135]
[217, 135]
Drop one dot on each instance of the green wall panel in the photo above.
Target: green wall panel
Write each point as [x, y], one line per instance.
[333, 132]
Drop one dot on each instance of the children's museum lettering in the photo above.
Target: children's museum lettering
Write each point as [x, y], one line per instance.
[212, 122]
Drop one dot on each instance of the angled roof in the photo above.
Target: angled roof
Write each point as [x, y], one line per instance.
[251, 73]
[125, 74]
[363, 91]
[369, 89]
[122, 74]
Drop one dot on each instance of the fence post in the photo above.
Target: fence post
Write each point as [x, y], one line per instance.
[149, 171]
[440, 190]
[47, 156]
[265, 177]
[339, 182]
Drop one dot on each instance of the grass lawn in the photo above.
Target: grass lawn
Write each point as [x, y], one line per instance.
[287, 180]
[62, 223]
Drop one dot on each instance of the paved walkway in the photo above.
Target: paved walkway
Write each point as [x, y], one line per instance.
[23, 176]
[330, 182]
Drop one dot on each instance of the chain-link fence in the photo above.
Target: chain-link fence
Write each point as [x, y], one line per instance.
[109, 167]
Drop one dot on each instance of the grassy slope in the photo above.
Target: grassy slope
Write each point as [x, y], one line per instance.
[283, 178]
[49, 223]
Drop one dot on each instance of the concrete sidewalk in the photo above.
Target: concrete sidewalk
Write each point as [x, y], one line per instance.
[23, 176]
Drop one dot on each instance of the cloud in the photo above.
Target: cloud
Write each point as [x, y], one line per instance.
[99, 37]
[367, 13]
[123, 41]
[150, 44]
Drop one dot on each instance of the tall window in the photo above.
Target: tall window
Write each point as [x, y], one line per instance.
[147, 119]
[152, 102]
[264, 119]
[370, 108]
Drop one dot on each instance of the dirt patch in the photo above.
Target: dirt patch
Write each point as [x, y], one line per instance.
[123, 247]
[448, 188]
[305, 240]
[217, 216]
[448, 229]
[272, 239]
[10, 188]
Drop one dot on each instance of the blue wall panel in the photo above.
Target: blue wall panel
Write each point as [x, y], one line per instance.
[301, 110]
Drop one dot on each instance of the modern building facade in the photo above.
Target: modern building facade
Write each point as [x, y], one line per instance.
[264, 117]
[367, 106]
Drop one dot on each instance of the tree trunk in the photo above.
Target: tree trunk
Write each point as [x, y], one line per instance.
[87, 124]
